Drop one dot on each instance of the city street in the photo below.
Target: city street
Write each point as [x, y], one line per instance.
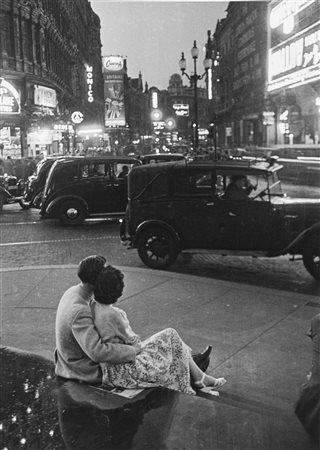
[28, 241]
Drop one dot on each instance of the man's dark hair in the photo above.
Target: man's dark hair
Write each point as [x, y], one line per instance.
[109, 285]
[90, 267]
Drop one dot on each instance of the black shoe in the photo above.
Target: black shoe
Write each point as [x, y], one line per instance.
[203, 359]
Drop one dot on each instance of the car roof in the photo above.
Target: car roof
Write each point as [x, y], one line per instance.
[250, 166]
[90, 159]
[162, 155]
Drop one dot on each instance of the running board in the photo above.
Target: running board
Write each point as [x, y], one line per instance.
[224, 252]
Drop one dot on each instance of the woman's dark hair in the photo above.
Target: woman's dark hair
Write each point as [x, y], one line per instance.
[90, 267]
[109, 285]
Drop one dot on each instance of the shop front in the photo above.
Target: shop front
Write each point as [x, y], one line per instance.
[10, 119]
[294, 71]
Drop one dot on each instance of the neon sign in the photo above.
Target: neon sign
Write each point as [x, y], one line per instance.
[113, 63]
[295, 61]
[285, 11]
[9, 98]
[154, 98]
[89, 70]
[181, 109]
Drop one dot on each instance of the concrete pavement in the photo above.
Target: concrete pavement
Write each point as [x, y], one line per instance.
[258, 336]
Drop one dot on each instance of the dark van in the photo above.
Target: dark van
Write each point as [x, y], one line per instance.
[82, 187]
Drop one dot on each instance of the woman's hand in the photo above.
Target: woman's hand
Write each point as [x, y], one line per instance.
[138, 347]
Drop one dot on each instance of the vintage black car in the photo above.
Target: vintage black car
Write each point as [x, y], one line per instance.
[187, 205]
[82, 187]
[34, 186]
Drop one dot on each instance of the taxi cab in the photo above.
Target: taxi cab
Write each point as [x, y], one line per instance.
[179, 206]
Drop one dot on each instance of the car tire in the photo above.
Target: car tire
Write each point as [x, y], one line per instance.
[72, 213]
[2, 201]
[24, 204]
[157, 248]
[37, 199]
[311, 256]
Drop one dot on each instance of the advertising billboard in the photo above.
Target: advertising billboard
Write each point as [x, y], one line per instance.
[113, 74]
[9, 98]
[44, 96]
[294, 54]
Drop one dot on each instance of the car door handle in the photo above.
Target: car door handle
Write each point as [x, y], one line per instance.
[232, 214]
[210, 204]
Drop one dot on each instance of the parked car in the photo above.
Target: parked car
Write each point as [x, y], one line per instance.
[182, 206]
[82, 187]
[10, 189]
[153, 158]
[34, 185]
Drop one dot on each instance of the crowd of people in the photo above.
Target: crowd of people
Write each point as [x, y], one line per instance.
[21, 168]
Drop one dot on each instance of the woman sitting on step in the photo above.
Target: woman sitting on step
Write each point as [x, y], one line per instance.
[163, 359]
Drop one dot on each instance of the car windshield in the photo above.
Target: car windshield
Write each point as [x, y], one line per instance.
[260, 186]
[265, 185]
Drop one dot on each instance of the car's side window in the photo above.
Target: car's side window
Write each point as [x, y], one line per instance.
[92, 170]
[193, 182]
[66, 174]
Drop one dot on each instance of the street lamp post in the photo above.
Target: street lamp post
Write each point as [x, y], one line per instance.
[207, 63]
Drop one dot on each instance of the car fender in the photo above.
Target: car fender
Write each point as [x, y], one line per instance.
[296, 246]
[55, 204]
[151, 223]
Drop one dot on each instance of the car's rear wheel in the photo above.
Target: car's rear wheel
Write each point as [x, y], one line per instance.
[24, 204]
[311, 256]
[72, 212]
[157, 248]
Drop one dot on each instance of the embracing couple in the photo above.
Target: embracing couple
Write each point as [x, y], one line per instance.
[95, 343]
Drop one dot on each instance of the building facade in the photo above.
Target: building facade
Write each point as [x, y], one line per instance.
[51, 80]
[239, 73]
[266, 73]
[293, 88]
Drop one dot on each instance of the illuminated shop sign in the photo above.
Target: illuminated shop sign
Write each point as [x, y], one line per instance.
[113, 63]
[283, 13]
[9, 98]
[44, 96]
[154, 100]
[77, 117]
[295, 61]
[158, 125]
[89, 72]
[181, 110]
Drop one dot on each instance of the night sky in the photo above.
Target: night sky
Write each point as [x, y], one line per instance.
[152, 34]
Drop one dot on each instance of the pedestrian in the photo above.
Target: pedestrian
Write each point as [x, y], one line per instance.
[163, 359]
[9, 166]
[79, 348]
[19, 170]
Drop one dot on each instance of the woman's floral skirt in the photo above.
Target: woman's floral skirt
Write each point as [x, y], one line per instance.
[164, 361]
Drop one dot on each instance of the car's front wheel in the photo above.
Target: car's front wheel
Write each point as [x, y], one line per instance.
[157, 248]
[311, 256]
[72, 212]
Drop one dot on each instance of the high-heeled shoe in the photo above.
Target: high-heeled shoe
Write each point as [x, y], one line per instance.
[200, 384]
[203, 359]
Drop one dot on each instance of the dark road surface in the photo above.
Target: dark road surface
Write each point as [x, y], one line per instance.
[28, 241]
